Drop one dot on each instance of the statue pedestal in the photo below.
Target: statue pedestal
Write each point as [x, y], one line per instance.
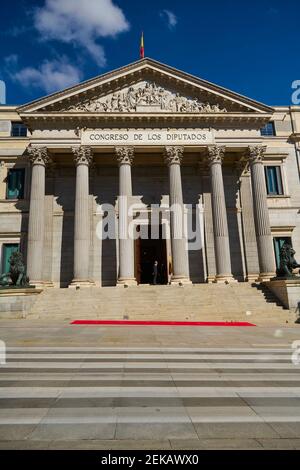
[287, 291]
[15, 302]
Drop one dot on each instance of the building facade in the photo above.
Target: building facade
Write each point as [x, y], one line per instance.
[148, 163]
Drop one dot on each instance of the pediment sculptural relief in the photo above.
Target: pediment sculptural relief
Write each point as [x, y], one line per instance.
[146, 97]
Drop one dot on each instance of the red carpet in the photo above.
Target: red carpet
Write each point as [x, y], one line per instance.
[161, 323]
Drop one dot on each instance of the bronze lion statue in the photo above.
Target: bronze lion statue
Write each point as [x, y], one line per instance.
[287, 261]
[16, 275]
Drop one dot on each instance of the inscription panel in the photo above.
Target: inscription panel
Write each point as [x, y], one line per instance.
[107, 137]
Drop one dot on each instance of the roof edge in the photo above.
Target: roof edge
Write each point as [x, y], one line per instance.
[154, 63]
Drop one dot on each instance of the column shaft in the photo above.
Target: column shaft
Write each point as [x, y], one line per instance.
[126, 276]
[249, 235]
[36, 224]
[83, 158]
[221, 237]
[173, 157]
[261, 214]
[38, 157]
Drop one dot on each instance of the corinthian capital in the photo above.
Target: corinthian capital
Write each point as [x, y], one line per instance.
[256, 153]
[125, 155]
[82, 155]
[215, 154]
[173, 155]
[38, 155]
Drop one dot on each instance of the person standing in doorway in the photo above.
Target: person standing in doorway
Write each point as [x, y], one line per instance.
[170, 270]
[155, 272]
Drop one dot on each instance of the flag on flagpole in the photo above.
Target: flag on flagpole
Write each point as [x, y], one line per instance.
[142, 50]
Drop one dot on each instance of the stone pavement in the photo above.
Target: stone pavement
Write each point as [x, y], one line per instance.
[83, 387]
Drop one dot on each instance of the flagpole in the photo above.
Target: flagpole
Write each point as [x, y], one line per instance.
[142, 49]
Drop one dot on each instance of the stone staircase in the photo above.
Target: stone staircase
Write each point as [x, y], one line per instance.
[201, 302]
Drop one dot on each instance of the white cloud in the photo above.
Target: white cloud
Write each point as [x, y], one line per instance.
[170, 17]
[11, 61]
[81, 22]
[50, 76]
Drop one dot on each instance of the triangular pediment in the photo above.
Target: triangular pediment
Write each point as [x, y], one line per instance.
[145, 87]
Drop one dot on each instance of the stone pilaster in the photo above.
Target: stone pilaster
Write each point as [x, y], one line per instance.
[125, 156]
[3, 176]
[83, 157]
[261, 213]
[39, 158]
[222, 249]
[173, 157]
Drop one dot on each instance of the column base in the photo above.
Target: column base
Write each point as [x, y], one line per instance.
[180, 281]
[251, 278]
[48, 284]
[126, 282]
[81, 283]
[265, 277]
[37, 284]
[224, 278]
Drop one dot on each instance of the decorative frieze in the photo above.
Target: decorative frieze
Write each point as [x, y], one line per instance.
[146, 96]
[173, 154]
[82, 155]
[125, 155]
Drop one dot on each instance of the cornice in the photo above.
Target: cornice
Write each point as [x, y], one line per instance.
[102, 119]
[295, 137]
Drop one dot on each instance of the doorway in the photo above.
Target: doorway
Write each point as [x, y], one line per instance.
[147, 251]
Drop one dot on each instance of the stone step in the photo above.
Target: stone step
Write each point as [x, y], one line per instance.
[205, 302]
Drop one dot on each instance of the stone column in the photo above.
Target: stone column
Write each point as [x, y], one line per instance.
[261, 214]
[126, 276]
[173, 157]
[83, 157]
[221, 238]
[39, 158]
[248, 224]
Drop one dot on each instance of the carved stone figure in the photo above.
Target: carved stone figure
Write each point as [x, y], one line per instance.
[131, 98]
[16, 277]
[148, 94]
[287, 261]
[113, 105]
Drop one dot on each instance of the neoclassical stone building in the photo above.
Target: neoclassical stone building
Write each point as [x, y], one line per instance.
[148, 137]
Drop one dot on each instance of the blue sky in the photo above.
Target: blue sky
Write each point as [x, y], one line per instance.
[252, 48]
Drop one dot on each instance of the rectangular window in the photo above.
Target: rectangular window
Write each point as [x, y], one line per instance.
[278, 242]
[15, 183]
[268, 129]
[7, 250]
[273, 180]
[18, 129]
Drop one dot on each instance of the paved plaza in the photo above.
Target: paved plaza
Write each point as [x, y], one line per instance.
[92, 387]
